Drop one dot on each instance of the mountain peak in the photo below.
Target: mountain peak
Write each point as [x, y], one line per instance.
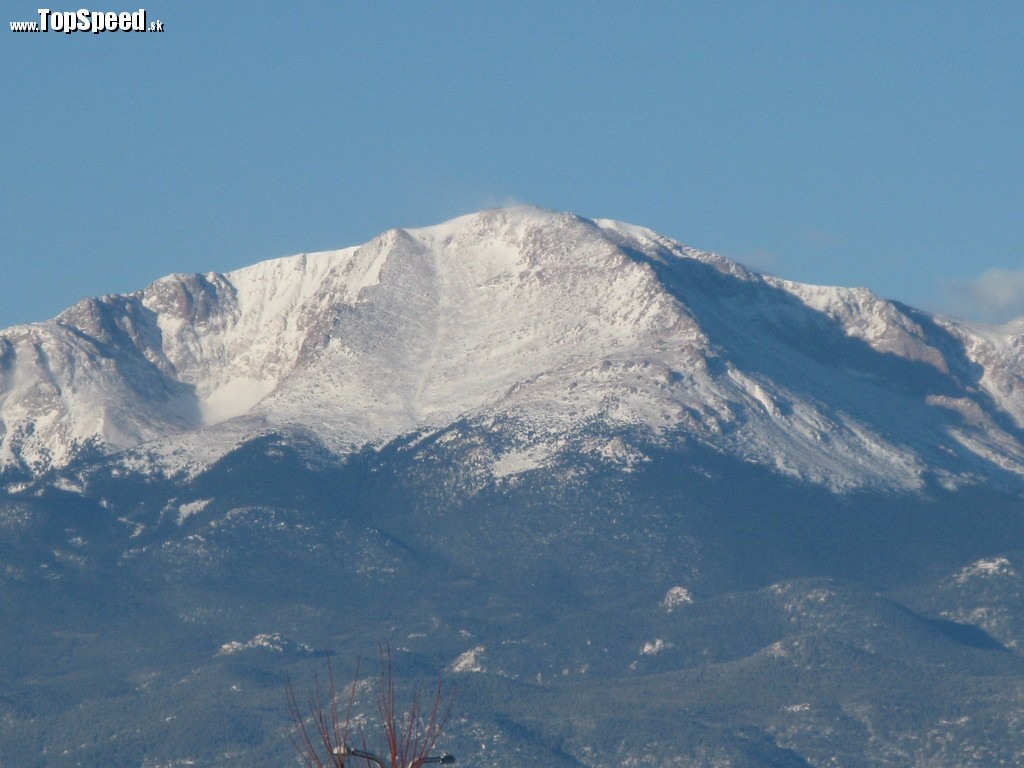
[557, 327]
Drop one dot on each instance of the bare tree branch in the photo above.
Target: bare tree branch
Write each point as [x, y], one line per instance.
[321, 734]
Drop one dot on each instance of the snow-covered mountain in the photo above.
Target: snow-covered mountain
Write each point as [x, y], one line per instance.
[561, 332]
[586, 471]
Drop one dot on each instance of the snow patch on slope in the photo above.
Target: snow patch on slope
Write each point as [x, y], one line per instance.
[268, 641]
[996, 566]
[518, 461]
[235, 397]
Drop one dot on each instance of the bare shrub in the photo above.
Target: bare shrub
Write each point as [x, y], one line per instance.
[325, 734]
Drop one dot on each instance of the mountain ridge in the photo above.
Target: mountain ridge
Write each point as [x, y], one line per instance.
[558, 324]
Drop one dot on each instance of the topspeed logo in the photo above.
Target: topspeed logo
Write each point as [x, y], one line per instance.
[84, 20]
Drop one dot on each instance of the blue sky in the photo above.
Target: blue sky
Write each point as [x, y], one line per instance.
[876, 144]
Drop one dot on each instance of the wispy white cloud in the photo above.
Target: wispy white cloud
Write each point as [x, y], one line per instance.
[996, 295]
[489, 201]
